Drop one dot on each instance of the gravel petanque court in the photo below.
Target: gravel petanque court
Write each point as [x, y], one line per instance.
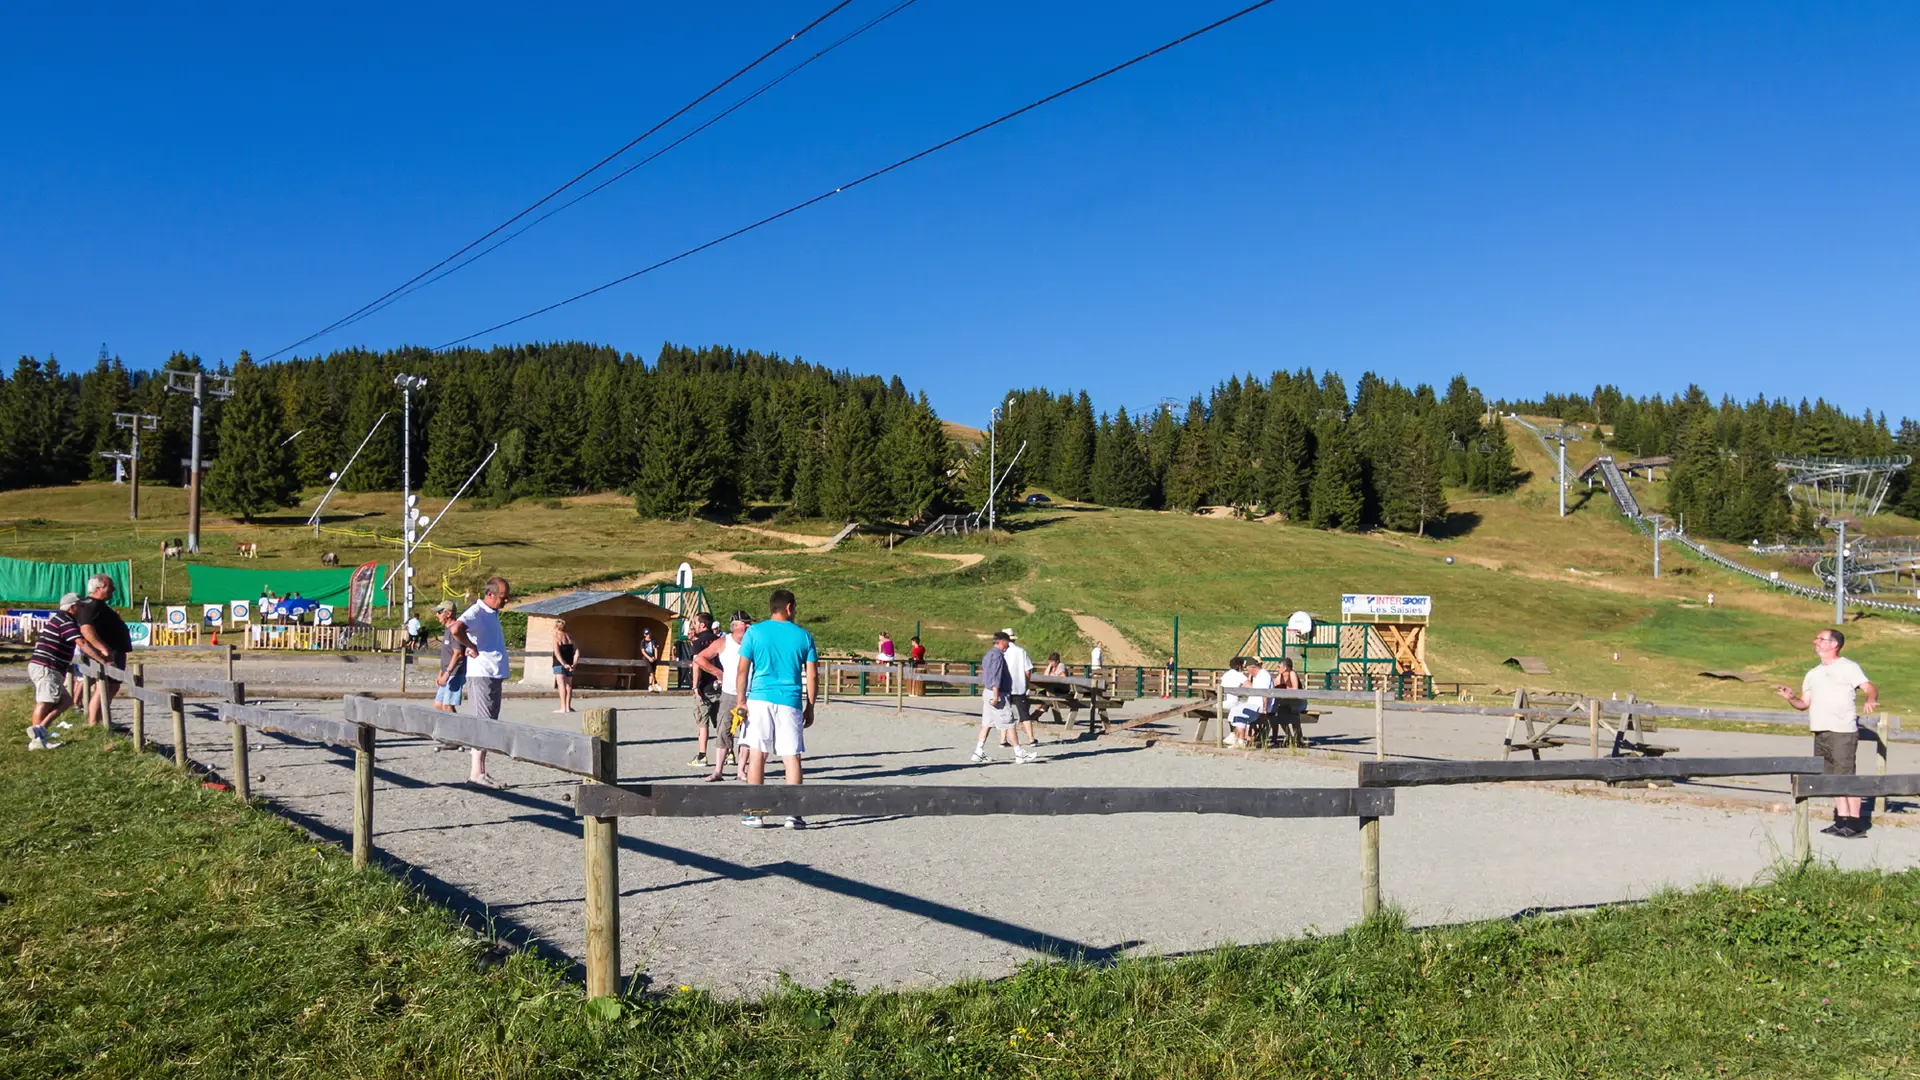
[922, 901]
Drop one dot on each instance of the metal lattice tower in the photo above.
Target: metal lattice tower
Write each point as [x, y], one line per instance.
[1886, 565]
[1840, 487]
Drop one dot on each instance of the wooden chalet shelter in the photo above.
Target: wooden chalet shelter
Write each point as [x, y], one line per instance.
[607, 625]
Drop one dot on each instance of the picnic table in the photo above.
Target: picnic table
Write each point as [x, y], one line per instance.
[1073, 693]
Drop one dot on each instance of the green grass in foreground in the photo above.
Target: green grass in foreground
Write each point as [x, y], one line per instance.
[152, 928]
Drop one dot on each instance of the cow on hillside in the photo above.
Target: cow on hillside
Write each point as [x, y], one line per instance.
[329, 558]
[172, 549]
[247, 549]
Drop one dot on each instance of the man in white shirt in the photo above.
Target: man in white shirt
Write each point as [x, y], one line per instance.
[478, 633]
[1019, 666]
[1098, 652]
[1826, 696]
[1258, 678]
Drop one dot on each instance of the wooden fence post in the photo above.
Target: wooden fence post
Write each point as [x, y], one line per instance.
[178, 707]
[242, 780]
[602, 836]
[899, 688]
[1593, 727]
[139, 673]
[1369, 868]
[406, 662]
[229, 661]
[363, 798]
[1802, 833]
[1379, 724]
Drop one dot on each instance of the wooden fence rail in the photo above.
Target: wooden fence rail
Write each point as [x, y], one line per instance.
[1843, 785]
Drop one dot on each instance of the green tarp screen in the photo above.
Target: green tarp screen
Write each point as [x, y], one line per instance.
[25, 582]
[222, 584]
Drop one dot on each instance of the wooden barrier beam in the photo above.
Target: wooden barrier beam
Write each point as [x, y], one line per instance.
[1420, 773]
[563, 750]
[701, 800]
[320, 729]
[1188, 706]
[1862, 786]
[602, 834]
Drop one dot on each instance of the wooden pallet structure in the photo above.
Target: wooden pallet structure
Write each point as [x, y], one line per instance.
[1536, 725]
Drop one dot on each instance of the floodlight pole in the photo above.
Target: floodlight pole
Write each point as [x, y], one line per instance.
[1563, 478]
[134, 422]
[407, 384]
[1655, 518]
[1840, 574]
[435, 523]
[993, 448]
[194, 383]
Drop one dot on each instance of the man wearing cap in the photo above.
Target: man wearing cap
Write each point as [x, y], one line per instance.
[996, 694]
[1019, 668]
[706, 684]
[453, 662]
[53, 651]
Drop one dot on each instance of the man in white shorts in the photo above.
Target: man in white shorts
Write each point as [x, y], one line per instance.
[779, 671]
[53, 651]
[996, 696]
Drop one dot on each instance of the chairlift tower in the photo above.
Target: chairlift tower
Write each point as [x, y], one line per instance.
[1837, 487]
[135, 423]
[1562, 435]
[200, 386]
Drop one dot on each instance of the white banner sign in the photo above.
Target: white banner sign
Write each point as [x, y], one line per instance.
[176, 617]
[140, 634]
[1366, 604]
[213, 615]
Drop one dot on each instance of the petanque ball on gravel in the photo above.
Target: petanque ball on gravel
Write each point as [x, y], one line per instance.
[566, 797]
[1449, 560]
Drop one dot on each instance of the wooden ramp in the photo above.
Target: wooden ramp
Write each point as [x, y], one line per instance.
[1532, 665]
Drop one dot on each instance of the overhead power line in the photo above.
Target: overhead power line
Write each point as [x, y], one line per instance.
[874, 175]
[408, 290]
[551, 195]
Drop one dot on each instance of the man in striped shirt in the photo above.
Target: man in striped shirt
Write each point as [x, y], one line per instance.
[47, 670]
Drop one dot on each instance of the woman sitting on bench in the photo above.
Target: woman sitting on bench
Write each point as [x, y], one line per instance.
[1287, 711]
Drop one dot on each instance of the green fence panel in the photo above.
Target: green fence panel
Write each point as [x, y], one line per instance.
[23, 581]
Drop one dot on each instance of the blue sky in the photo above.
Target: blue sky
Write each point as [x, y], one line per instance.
[1541, 196]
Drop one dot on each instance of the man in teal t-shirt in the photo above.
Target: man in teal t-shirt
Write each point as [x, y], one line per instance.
[777, 677]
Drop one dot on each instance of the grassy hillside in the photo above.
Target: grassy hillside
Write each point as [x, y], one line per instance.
[1574, 590]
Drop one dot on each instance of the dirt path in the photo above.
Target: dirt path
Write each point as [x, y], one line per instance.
[811, 543]
[960, 560]
[1115, 648]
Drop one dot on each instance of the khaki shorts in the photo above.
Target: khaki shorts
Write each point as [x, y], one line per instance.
[1837, 749]
[48, 684]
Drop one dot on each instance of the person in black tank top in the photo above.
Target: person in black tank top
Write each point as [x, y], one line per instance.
[706, 687]
[565, 653]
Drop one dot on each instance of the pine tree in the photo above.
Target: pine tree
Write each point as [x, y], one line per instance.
[1285, 471]
[675, 478]
[253, 472]
[1073, 457]
[915, 458]
[605, 454]
[454, 445]
[1336, 498]
[1121, 475]
[1498, 474]
[1411, 495]
[378, 467]
[849, 490]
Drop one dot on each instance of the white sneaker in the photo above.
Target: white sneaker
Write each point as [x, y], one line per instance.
[751, 821]
[796, 822]
[979, 756]
[1025, 757]
[42, 744]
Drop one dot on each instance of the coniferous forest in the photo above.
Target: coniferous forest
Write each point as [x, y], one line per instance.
[715, 430]
[697, 430]
[1294, 445]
